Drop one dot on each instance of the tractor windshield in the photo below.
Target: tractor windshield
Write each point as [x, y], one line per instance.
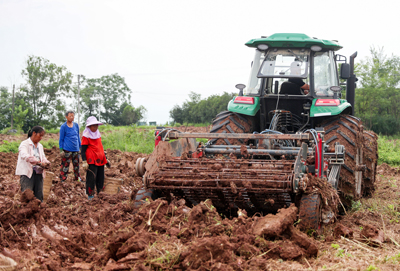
[325, 75]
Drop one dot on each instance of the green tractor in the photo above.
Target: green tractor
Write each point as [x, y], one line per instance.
[288, 122]
[275, 101]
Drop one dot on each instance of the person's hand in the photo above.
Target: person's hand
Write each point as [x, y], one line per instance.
[45, 165]
[108, 165]
[85, 165]
[62, 154]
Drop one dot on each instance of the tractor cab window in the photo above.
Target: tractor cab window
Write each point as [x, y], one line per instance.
[280, 64]
[254, 84]
[285, 63]
[325, 75]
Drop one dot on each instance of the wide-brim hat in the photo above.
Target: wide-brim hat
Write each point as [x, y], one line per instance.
[92, 121]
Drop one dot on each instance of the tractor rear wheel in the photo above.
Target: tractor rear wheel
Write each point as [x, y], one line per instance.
[230, 122]
[370, 152]
[348, 131]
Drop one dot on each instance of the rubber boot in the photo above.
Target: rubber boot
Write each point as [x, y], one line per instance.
[90, 197]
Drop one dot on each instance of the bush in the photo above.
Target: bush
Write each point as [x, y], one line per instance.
[7, 131]
[10, 146]
[389, 151]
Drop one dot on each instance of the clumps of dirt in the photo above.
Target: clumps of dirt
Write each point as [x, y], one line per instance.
[372, 235]
[199, 237]
[385, 169]
[330, 198]
[341, 230]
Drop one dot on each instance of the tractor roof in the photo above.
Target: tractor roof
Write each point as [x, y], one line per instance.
[294, 40]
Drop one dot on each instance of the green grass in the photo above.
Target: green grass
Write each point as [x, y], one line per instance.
[128, 138]
[5, 131]
[53, 130]
[389, 151]
[10, 146]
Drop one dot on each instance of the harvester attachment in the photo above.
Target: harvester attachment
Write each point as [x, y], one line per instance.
[234, 177]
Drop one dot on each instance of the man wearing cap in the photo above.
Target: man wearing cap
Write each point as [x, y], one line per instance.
[93, 157]
[69, 145]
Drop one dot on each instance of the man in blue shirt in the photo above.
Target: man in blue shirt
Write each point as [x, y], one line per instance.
[70, 144]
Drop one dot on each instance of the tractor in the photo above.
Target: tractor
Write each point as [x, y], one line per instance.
[290, 121]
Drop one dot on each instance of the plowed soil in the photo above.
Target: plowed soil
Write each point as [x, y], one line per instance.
[111, 232]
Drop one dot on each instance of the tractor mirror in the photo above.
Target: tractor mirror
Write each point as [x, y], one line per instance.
[240, 87]
[345, 71]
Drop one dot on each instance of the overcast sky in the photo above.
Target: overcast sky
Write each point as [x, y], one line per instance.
[166, 49]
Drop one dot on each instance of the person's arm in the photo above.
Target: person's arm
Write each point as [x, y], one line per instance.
[61, 140]
[83, 152]
[85, 165]
[42, 155]
[79, 138]
[24, 153]
[305, 86]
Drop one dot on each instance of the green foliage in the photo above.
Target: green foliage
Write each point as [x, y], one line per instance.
[6, 131]
[43, 93]
[377, 101]
[53, 130]
[20, 116]
[127, 114]
[10, 146]
[196, 110]
[5, 108]
[105, 96]
[129, 139]
[48, 144]
[389, 151]
[371, 268]
[356, 205]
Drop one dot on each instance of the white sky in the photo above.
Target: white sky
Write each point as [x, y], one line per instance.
[165, 49]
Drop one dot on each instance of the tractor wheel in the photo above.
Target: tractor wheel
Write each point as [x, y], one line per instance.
[230, 122]
[348, 131]
[310, 212]
[370, 152]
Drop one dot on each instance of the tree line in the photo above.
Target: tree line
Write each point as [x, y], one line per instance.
[197, 110]
[42, 98]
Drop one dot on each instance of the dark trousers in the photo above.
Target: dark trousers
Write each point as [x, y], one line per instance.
[94, 177]
[73, 157]
[34, 183]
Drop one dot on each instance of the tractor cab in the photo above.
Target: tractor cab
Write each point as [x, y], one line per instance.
[295, 74]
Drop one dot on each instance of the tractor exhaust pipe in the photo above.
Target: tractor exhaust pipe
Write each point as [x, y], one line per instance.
[351, 84]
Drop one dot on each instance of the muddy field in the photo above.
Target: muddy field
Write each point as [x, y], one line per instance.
[68, 232]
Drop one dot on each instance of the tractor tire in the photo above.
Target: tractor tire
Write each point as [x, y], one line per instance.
[310, 212]
[370, 153]
[230, 122]
[348, 131]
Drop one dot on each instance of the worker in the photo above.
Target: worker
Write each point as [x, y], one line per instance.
[69, 145]
[32, 162]
[295, 69]
[93, 157]
[298, 81]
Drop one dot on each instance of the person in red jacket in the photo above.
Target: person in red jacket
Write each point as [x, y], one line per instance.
[93, 157]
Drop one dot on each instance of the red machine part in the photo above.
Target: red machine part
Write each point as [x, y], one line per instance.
[319, 162]
[158, 138]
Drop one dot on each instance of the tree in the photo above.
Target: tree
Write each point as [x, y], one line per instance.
[46, 86]
[127, 114]
[111, 90]
[5, 108]
[378, 98]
